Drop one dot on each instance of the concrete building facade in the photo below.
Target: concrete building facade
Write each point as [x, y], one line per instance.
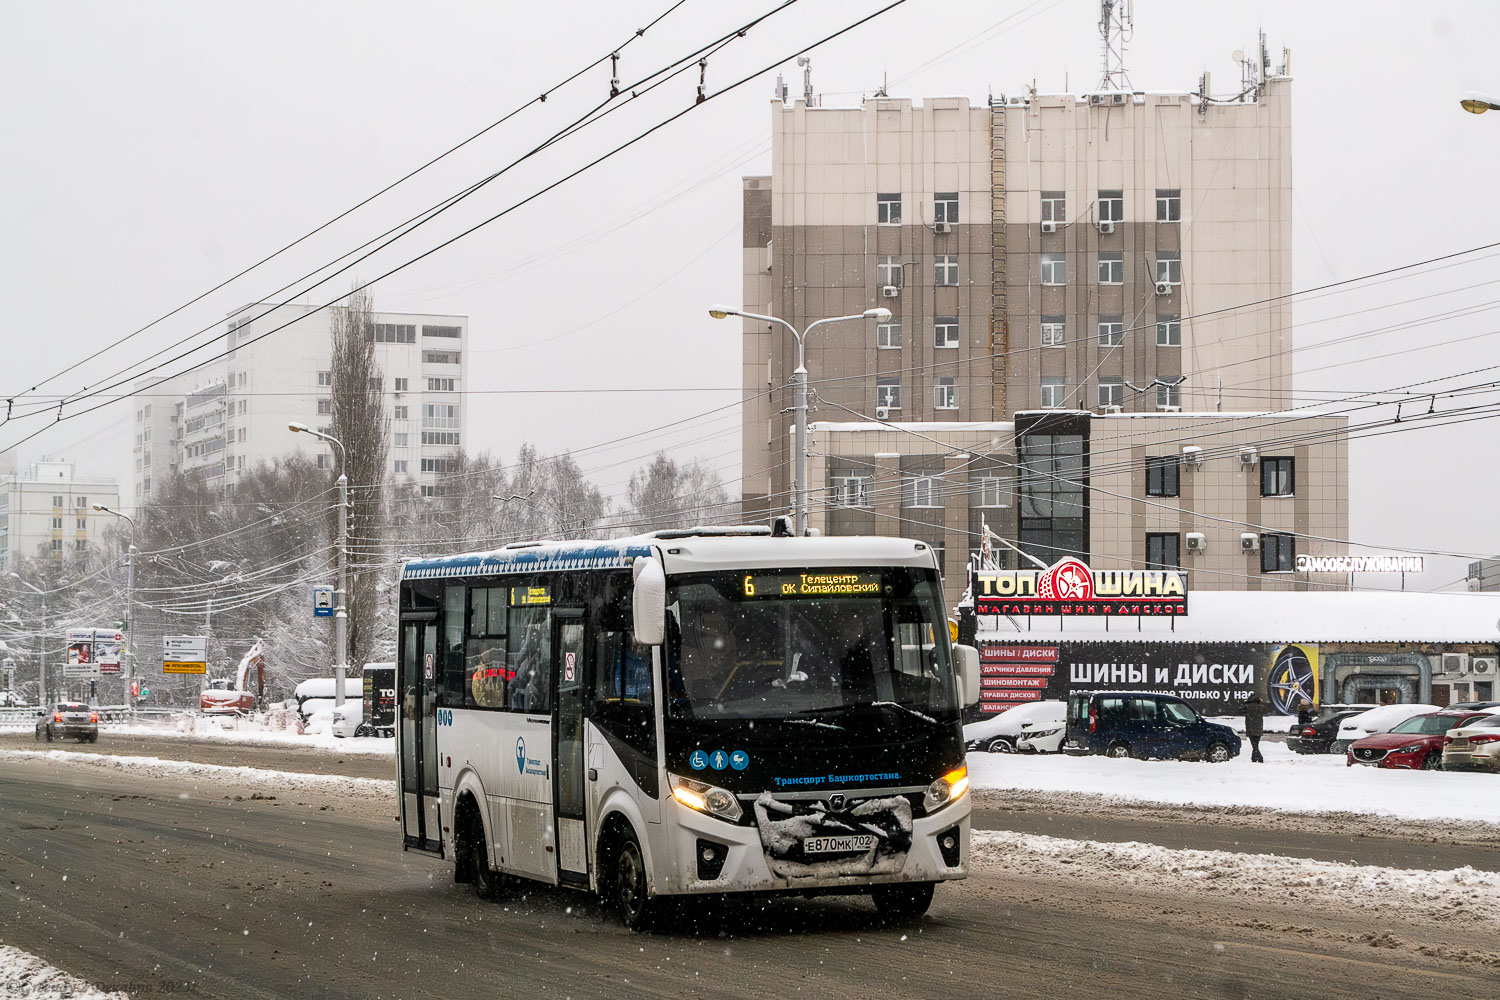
[222, 420]
[48, 512]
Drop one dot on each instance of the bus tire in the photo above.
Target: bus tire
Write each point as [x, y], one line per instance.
[903, 902]
[629, 888]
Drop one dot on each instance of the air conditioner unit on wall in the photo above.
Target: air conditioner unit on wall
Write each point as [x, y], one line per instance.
[890, 291]
[942, 228]
[882, 413]
[1163, 288]
[1482, 664]
[1249, 541]
[1196, 542]
[1455, 663]
[1248, 455]
[1192, 455]
[1106, 227]
[1049, 227]
[1111, 408]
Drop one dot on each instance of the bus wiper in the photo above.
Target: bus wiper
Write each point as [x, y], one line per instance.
[909, 711]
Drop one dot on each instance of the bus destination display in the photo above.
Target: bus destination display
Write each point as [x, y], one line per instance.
[825, 583]
[525, 597]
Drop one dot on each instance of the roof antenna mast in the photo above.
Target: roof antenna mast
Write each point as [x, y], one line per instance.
[1116, 26]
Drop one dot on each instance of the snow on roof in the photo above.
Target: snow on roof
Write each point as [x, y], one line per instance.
[998, 426]
[1277, 617]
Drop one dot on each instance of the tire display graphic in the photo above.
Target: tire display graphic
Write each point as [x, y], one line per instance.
[1292, 681]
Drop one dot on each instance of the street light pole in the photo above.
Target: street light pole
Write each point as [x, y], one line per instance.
[799, 386]
[130, 554]
[41, 649]
[340, 611]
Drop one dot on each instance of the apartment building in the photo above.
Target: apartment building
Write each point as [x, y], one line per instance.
[219, 422]
[1100, 251]
[48, 512]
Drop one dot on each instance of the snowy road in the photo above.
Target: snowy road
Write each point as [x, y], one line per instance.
[157, 884]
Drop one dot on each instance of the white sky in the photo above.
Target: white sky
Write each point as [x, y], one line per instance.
[153, 149]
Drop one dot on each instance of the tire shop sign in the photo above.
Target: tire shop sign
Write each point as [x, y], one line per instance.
[1070, 587]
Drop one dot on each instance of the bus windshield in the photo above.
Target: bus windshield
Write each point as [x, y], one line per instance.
[807, 644]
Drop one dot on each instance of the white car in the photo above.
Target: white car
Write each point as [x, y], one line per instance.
[341, 721]
[1037, 727]
[1376, 720]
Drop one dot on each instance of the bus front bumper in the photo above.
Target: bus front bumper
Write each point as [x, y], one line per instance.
[733, 855]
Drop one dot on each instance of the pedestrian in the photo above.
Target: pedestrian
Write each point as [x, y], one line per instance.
[1255, 725]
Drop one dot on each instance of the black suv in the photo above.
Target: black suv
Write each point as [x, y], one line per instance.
[1317, 736]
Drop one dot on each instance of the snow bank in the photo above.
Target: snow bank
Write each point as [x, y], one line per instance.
[250, 731]
[290, 781]
[25, 977]
[1287, 781]
[1459, 894]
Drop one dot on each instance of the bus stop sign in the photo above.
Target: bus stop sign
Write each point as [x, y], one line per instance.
[322, 602]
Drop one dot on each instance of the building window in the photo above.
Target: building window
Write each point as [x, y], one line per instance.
[325, 379]
[440, 437]
[1054, 331]
[451, 332]
[945, 270]
[1054, 392]
[888, 334]
[991, 492]
[1168, 331]
[945, 207]
[945, 394]
[850, 491]
[323, 462]
[1111, 331]
[888, 271]
[922, 491]
[401, 384]
[439, 416]
[1054, 207]
[1112, 268]
[1169, 268]
[398, 440]
[888, 393]
[57, 501]
[1278, 553]
[395, 333]
[400, 465]
[429, 491]
[1054, 269]
[57, 545]
[1111, 390]
[83, 524]
[398, 413]
[57, 524]
[888, 209]
[1169, 397]
[325, 407]
[241, 433]
[1276, 477]
[79, 544]
[1168, 205]
[84, 501]
[1111, 206]
[440, 465]
[440, 357]
[244, 405]
[1163, 475]
[945, 331]
[442, 384]
[1163, 550]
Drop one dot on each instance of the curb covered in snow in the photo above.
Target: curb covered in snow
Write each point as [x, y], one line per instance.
[292, 781]
[23, 976]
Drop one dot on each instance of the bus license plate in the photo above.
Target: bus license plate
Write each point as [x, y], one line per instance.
[838, 845]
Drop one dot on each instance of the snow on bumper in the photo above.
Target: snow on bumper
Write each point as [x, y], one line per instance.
[746, 867]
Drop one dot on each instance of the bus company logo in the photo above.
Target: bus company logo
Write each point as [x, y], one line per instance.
[520, 755]
[528, 765]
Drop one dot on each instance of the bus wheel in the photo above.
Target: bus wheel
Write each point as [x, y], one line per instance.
[631, 892]
[904, 902]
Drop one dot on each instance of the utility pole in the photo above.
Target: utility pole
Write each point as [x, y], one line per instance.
[340, 610]
[130, 674]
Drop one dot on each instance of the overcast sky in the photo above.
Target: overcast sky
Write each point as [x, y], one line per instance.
[154, 149]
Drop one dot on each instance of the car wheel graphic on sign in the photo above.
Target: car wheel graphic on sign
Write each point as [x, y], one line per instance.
[1290, 684]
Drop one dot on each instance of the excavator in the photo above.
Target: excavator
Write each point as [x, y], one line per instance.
[220, 698]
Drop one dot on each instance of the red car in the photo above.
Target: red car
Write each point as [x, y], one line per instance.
[1416, 744]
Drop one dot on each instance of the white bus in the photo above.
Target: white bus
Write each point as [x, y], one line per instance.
[711, 710]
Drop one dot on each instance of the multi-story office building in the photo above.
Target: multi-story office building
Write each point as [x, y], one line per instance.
[225, 419]
[48, 512]
[1118, 252]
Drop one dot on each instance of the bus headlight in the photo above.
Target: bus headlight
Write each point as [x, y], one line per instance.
[705, 798]
[949, 788]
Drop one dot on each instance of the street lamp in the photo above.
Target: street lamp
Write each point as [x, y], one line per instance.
[129, 607]
[340, 613]
[41, 651]
[799, 379]
[1477, 104]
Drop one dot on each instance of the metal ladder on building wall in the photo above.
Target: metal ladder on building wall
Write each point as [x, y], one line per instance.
[999, 321]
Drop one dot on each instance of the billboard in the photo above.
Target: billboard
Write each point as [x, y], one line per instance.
[1070, 587]
[92, 652]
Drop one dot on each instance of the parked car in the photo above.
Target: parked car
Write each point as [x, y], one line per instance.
[1316, 736]
[1035, 727]
[1474, 747]
[1376, 720]
[1142, 724]
[69, 720]
[1416, 744]
[1475, 705]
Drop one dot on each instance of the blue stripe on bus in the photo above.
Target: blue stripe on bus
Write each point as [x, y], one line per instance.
[590, 555]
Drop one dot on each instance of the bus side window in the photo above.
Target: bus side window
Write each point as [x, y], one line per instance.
[623, 704]
[451, 683]
[531, 659]
[487, 671]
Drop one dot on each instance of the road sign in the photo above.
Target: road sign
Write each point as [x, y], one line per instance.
[322, 602]
[184, 654]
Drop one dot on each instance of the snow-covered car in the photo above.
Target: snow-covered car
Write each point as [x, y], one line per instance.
[1376, 720]
[1475, 747]
[340, 720]
[1037, 727]
[12, 699]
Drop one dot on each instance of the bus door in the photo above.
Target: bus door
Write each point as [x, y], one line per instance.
[570, 820]
[419, 671]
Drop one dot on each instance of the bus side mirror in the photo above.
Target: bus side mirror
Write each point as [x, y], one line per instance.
[967, 660]
[649, 603]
